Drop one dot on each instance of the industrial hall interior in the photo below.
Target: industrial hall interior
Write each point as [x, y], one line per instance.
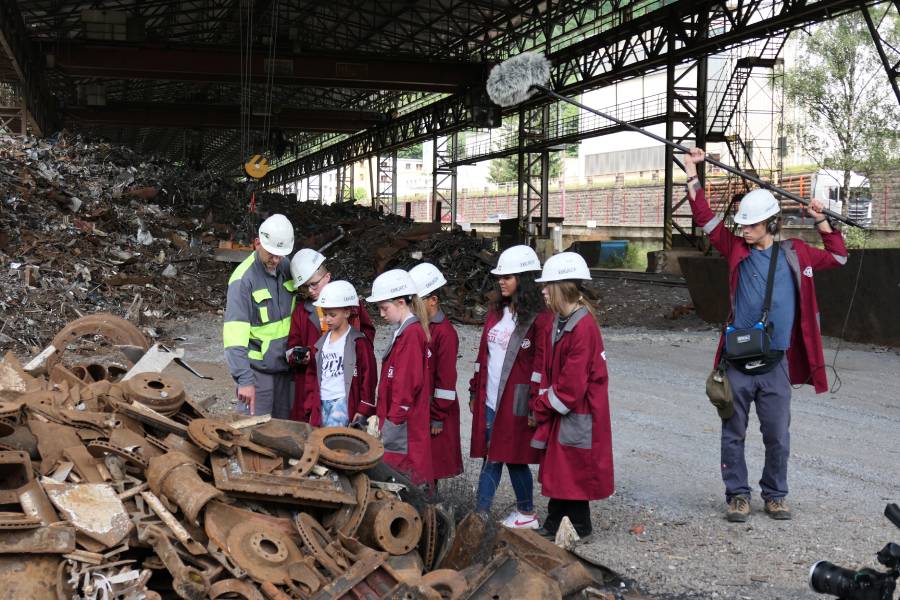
[449, 299]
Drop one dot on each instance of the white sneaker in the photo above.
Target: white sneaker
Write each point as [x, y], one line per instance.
[517, 520]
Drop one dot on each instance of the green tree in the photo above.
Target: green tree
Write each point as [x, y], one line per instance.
[852, 120]
[414, 151]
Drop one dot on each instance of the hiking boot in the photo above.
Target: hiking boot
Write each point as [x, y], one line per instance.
[778, 509]
[738, 509]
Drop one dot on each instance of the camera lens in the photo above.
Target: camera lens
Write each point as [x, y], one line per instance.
[828, 578]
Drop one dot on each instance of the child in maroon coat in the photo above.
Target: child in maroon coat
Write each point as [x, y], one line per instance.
[404, 389]
[573, 410]
[343, 385]
[446, 451]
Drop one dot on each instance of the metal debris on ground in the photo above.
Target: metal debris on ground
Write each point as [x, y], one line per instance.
[130, 490]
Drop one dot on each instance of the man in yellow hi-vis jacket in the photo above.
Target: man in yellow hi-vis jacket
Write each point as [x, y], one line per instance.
[257, 321]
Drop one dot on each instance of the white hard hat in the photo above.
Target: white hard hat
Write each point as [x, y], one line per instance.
[337, 294]
[276, 234]
[564, 266]
[304, 264]
[427, 277]
[392, 284]
[517, 259]
[757, 206]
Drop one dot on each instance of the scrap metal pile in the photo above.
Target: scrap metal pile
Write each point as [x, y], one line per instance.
[116, 484]
[91, 226]
[87, 227]
[367, 243]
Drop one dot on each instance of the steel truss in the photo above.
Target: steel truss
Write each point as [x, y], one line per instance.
[386, 182]
[443, 179]
[676, 33]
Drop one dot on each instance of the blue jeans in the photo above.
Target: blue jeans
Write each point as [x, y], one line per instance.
[489, 479]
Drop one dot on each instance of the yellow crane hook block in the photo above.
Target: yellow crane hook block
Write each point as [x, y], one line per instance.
[257, 166]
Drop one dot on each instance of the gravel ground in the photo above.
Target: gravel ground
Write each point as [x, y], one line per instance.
[664, 527]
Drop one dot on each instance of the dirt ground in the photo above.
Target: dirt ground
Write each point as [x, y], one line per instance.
[664, 527]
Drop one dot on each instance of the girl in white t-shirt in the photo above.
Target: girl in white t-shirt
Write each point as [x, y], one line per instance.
[345, 375]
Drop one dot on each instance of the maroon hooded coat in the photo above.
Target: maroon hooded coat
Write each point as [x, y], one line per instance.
[360, 377]
[306, 329]
[577, 463]
[519, 382]
[446, 450]
[403, 407]
[806, 359]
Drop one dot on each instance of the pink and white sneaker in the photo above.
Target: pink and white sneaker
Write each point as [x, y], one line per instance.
[517, 520]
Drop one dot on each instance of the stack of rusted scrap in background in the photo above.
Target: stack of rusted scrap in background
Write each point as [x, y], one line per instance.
[89, 227]
[116, 484]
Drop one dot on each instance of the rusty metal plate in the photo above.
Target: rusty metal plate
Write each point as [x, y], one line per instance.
[29, 577]
[469, 543]
[234, 589]
[93, 509]
[324, 492]
[508, 578]
[287, 437]
[56, 539]
[219, 518]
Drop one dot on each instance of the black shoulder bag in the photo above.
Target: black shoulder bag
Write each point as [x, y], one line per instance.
[748, 348]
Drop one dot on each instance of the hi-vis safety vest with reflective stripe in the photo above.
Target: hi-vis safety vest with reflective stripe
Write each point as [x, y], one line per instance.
[257, 319]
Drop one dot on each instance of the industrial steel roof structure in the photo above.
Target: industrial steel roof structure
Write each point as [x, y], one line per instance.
[319, 85]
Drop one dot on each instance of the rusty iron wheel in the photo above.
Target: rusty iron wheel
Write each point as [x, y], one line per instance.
[347, 449]
[162, 393]
[263, 551]
[428, 543]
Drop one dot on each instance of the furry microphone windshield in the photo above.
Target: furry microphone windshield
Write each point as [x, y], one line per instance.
[511, 81]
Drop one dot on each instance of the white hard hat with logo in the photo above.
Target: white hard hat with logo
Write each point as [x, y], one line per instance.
[304, 264]
[395, 283]
[517, 259]
[757, 206]
[337, 294]
[276, 235]
[564, 266]
[427, 277]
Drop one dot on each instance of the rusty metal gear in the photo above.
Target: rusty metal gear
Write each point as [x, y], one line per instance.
[262, 550]
[391, 525]
[162, 393]
[347, 518]
[347, 449]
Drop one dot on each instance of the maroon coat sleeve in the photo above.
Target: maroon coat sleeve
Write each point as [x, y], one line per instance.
[295, 335]
[570, 384]
[720, 237]
[445, 347]
[834, 255]
[541, 332]
[365, 323]
[367, 372]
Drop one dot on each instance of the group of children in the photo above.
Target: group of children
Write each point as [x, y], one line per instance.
[538, 394]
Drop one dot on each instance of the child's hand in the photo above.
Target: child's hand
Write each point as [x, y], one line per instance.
[436, 429]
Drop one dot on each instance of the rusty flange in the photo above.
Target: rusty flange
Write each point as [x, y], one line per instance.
[347, 518]
[174, 476]
[263, 551]
[347, 449]
[213, 435]
[391, 525]
[236, 589]
[162, 393]
[448, 583]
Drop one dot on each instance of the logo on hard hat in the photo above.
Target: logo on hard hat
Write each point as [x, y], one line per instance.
[396, 289]
[567, 270]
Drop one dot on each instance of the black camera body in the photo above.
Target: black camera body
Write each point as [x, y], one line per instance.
[865, 584]
[299, 354]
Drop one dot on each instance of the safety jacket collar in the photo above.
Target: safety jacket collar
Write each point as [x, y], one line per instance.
[403, 326]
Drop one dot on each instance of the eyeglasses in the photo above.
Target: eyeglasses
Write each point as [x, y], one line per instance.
[312, 284]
